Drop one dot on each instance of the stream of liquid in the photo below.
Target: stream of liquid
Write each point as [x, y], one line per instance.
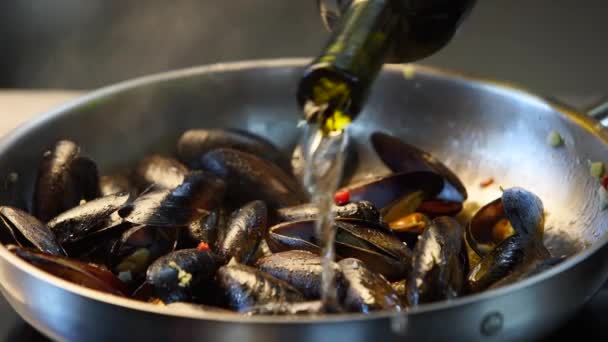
[324, 161]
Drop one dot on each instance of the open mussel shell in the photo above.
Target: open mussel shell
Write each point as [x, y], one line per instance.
[286, 309]
[82, 220]
[194, 143]
[378, 248]
[199, 194]
[366, 291]
[250, 178]
[402, 157]
[517, 211]
[362, 210]
[161, 171]
[64, 179]
[396, 194]
[138, 247]
[80, 273]
[245, 230]
[183, 274]
[301, 269]
[205, 229]
[246, 287]
[25, 230]
[439, 263]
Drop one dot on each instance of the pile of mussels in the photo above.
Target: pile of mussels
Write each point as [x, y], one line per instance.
[226, 226]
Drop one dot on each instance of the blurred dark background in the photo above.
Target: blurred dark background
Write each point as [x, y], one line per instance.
[554, 47]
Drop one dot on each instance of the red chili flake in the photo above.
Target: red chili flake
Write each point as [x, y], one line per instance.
[605, 181]
[342, 197]
[203, 247]
[487, 182]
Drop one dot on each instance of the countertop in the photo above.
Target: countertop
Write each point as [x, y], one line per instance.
[16, 107]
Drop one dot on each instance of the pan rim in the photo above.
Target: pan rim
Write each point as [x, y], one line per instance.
[509, 89]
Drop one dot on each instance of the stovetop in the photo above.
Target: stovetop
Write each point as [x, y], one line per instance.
[590, 321]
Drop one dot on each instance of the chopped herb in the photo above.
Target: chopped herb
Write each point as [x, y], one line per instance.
[555, 139]
[596, 169]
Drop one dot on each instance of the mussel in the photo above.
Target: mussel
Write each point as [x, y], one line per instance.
[194, 143]
[244, 232]
[64, 179]
[402, 157]
[386, 191]
[138, 247]
[250, 178]
[438, 264]
[513, 227]
[25, 230]
[363, 210]
[367, 291]
[206, 229]
[199, 194]
[378, 248]
[182, 275]
[80, 273]
[301, 269]
[90, 217]
[161, 171]
[516, 211]
[246, 287]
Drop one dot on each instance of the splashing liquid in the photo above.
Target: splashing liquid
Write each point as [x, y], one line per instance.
[323, 153]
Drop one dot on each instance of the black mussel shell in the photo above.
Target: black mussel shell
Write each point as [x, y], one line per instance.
[382, 251]
[290, 309]
[301, 269]
[246, 287]
[517, 211]
[439, 263]
[193, 144]
[77, 272]
[250, 178]
[536, 267]
[64, 179]
[387, 190]
[138, 247]
[182, 275]
[510, 255]
[244, 232]
[25, 230]
[206, 229]
[363, 210]
[402, 157]
[160, 171]
[366, 290]
[199, 194]
[90, 217]
[525, 212]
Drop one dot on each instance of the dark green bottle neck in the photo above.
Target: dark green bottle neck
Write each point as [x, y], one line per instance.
[343, 73]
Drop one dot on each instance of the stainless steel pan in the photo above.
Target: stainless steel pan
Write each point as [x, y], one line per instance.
[480, 129]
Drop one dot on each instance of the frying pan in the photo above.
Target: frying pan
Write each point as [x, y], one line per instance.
[479, 128]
